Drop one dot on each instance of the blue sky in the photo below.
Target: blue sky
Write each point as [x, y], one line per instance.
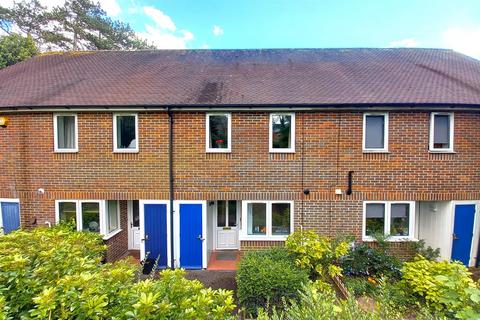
[301, 23]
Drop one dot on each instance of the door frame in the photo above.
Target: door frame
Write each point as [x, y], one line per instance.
[176, 230]
[214, 226]
[475, 230]
[11, 200]
[141, 204]
[130, 220]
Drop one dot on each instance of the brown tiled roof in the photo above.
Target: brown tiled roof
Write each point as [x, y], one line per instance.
[243, 77]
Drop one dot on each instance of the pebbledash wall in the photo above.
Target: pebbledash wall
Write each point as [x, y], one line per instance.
[328, 145]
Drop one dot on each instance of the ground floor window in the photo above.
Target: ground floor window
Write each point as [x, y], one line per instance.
[101, 216]
[267, 219]
[393, 218]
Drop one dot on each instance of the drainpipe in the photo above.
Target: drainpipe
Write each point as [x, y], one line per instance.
[170, 181]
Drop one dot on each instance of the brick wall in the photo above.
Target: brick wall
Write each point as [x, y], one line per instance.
[118, 244]
[328, 145]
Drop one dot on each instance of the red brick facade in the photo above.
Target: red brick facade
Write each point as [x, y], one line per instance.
[328, 145]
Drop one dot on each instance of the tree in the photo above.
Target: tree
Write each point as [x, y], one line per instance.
[76, 25]
[15, 48]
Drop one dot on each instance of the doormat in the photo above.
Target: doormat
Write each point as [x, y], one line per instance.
[227, 255]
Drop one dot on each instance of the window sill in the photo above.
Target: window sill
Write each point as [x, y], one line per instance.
[66, 151]
[112, 234]
[441, 151]
[263, 238]
[375, 151]
[281, 151]
[393, 239]
[125, 151]
[218, 151]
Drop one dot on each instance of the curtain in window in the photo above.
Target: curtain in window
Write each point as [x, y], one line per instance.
[375, 219]
[399, 220]
[112, 221]
[66, 132]
[441, 131]
[374, 132]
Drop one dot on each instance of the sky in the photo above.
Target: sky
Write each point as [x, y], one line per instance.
[220, 24]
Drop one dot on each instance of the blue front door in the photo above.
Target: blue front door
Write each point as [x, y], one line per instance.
[463, 232]
[10, 216]
[155, 216]
[191, 235]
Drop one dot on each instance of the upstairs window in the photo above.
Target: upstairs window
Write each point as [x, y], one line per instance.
[218, 132]
[282, 132]
[65, 132]
[375, 132]
[125, 133]
[395, 219]
[441, 132]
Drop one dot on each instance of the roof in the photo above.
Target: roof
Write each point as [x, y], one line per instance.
[317, 77]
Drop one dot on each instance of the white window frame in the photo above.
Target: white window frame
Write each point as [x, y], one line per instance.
[229, 132]
[55, 133]
[108, 233]
[385, 133]
[387, 217]
[243, 234]
[431, 147]
[292, 133]
[137, 138]
[102, 213]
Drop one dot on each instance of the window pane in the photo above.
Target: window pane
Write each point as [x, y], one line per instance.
[375, 219]
[280, 218]
[374, 132]
[112, 210]
[400, 216]
[66, 132]
[257, 219]
[221, 214]
[91, 216]
[232, 213]
[441, 131]
[126, 132]
[67, 211]
[218, 131]
[136, 214]
[281, 131]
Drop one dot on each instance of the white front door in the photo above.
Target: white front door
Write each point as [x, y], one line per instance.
[133, 225]
[227, 221]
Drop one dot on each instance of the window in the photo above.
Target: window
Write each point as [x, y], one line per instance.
[226, 214]
[65, 132]
[270, 220]
[136, 214]
[125, 133]
[282, 132]
[90, 215]
[375, 132]
[441, 132]
[218, 133]
[113, 216]
[395, 219]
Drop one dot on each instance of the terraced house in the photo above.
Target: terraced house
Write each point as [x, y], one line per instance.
[183, 154]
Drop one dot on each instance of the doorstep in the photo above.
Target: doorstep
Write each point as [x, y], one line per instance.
[224, 260]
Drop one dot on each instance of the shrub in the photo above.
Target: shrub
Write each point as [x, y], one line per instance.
[445, 287]
[359, 286]
[268, 276]
[322, 304]
[56, 273]
[363, 260]
[425, 251]
[316, 253]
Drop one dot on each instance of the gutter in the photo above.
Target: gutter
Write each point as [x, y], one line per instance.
[170, 182]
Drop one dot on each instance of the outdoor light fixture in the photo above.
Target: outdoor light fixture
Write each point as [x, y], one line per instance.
[3, 122]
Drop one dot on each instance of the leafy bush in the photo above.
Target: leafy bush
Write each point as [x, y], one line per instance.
[363, 260]
[445, 287]
[316, 253]
[425, 251]
[322, 304]
[56, 273]
[266, 277]
[359, 286]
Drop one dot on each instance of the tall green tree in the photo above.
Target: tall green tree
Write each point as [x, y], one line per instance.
[15, 48]
[76, 25]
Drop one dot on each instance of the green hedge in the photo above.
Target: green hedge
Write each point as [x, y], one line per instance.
[56, 273]
[268, 277]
